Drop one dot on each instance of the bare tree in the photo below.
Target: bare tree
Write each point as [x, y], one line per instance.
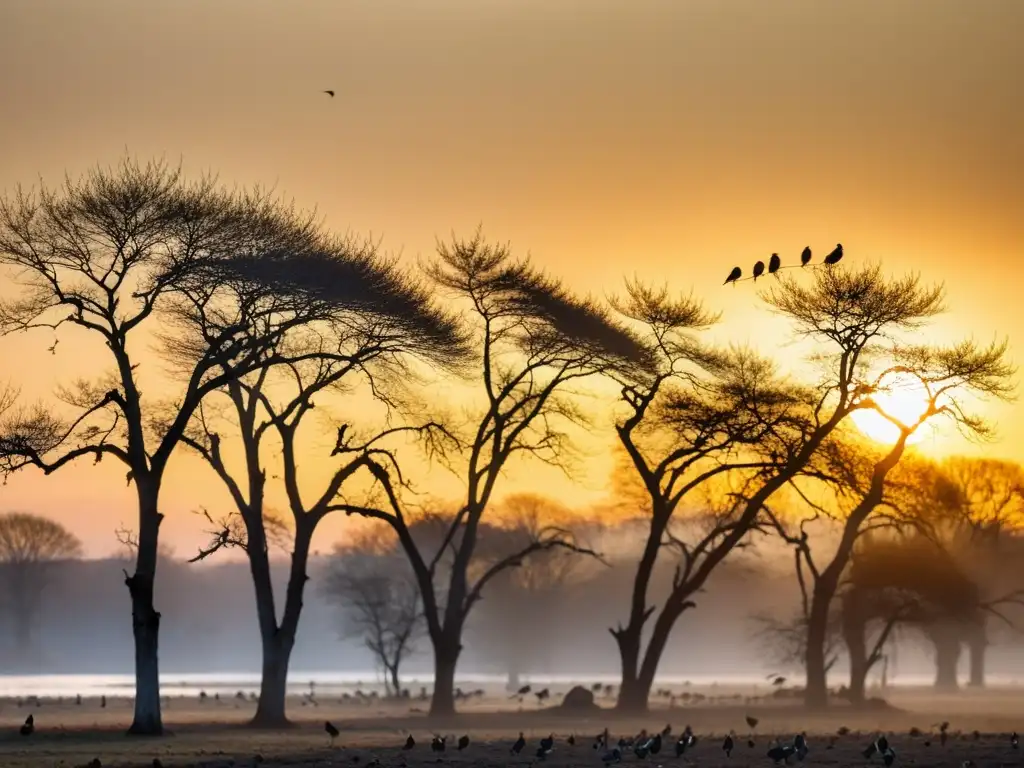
[370, 581]
[30, 545]
[535, 341]
[685, 424]
[111, 255]
[855, 309]
[382, 318]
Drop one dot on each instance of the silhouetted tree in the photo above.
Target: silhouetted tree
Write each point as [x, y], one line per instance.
[372, 585]
[860, 315]
[30, 545]
[127, 250]
[535, 341]
[381, 317]
[686, 423]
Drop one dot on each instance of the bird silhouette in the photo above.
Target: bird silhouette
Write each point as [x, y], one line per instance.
[727, 745]
[462, 743]
[437, 744]
[571, 741]
[548, 742]
[889, 757]
[752, 721]
[735, 275]
[774, 263]
[518, 746]
[1014, 740]
[805, 256]
[409, 743]
[779, 754]
[329, 93]
[835, 256]
[29, 727]
[331, 730]
[758, 270]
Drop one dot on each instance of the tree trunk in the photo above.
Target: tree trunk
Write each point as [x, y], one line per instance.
[635, 692]
[947, 658]
[270, 712]
[816, 693]
[446, 657]
[856, 648]
[147, 720]
[396, 687]
[978, 645]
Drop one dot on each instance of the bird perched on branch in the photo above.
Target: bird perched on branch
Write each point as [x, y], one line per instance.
[774, 263]
[835, 256]
[805, 256]
[758, 270]
[735, 275]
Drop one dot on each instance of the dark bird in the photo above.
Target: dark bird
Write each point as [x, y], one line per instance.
[870, 750]
[641, 749]
[774, 263]
[1014, 740]
[779, 681]
[542, 753]
[667, 730]
[882, 743]
[654, 745]
[805, 256]
[29, 727]
[521, 692]
[331, 730]
[800, 745]
[681, 746]
[727, 745]
[735, 275]
[463, 743]
[758, 270]
[437, 744]
[518, 746]
[843, 730]
[781, 753]
[571, 741]
[409, 743]
[53, 350]
[750, 744]
[103, 701]
[889, 757]
[542, 695]
[615, 756]
[752, 721]
[548, 742]
[329, 93]
[835, 256]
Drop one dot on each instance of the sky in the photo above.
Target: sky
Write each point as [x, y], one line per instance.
[664, 139]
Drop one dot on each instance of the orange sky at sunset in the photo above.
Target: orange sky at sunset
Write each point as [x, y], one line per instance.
[667, 138]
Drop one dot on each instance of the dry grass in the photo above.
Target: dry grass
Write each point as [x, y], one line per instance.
[213, 733]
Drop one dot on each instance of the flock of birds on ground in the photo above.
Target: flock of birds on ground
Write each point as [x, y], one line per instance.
[644, 745]
[775, 264]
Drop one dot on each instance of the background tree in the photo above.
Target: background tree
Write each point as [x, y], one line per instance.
[380, 317]
[108, 255]
[30, 548]
[535, 341]
[373, 587]
[515, 624]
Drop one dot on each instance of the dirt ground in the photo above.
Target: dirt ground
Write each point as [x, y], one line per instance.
[212, 733]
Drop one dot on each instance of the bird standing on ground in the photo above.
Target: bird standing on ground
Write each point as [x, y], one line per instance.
[331, 731]
[1014, 740]
[518, 746]
[437, 744]
[463, 743]
[835, 256]
[805, 256]
[758, 270]
[735, 275]
[774, 263]
[409, 743]
[780, 753]
[727, 745]
[29, 726]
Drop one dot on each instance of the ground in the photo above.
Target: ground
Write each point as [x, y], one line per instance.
[211, 733]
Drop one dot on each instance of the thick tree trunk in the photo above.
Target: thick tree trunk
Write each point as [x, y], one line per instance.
[947, 658]
[978, 646]
[446, 657]
[635, 692]
[270, 712]
[816, 693]
[278, 640]
[396, 687]
[856, 648]
[147, 720]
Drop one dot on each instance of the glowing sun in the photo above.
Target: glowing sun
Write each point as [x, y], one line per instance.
[904, 400]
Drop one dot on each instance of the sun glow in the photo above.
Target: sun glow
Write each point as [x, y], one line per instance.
[904, 400]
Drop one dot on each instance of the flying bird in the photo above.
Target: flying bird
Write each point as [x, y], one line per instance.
[805, 256]
[774, 263]
[735, 275]
[329, 93]
[835, 256]
[758, 270]
[752, 721]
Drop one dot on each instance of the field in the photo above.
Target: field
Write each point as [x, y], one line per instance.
[211, 733]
